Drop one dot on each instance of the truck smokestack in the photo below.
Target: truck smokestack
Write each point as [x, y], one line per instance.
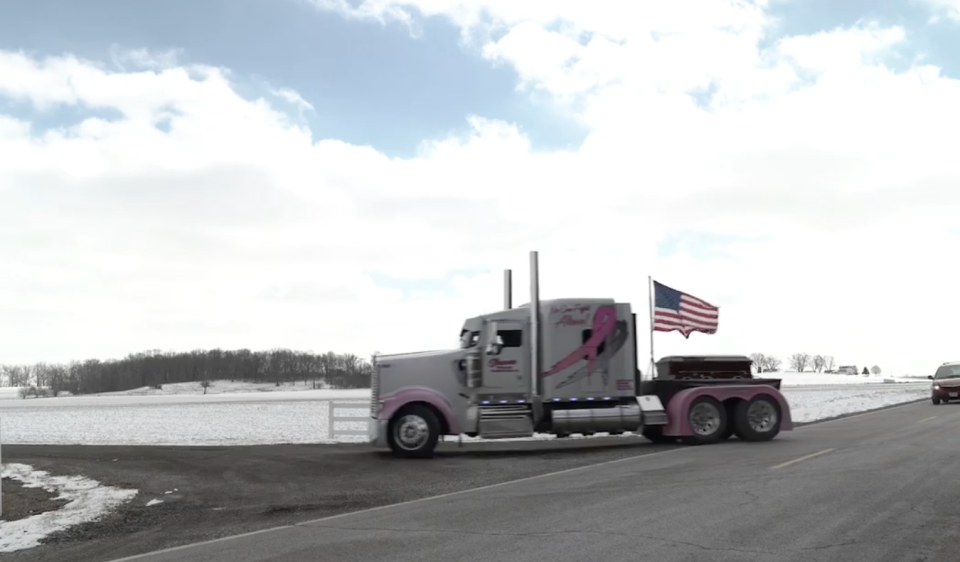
[507, 289]
[534, 327]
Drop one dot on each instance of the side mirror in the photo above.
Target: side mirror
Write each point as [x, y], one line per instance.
[493, 346]
[930, 377]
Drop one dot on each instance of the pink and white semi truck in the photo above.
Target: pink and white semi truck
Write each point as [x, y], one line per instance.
[562, 367]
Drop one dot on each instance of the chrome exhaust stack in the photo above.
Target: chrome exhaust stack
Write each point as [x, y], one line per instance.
[535, 336]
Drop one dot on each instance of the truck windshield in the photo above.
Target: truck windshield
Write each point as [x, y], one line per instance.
[468, 339]
[948, 372]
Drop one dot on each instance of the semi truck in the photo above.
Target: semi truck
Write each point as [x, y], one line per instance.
[562, 367]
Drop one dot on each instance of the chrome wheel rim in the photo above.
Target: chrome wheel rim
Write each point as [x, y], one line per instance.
[705, 419]
[762, 416]
[411, 432]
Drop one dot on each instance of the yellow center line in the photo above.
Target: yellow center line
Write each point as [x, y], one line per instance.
[803, 458]
[926, 419]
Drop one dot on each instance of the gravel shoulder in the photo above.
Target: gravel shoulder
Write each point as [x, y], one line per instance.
[212, 492]
[20, 502]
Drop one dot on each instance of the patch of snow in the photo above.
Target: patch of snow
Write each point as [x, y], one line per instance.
[88, 500]
[154, 502]
[303, 417]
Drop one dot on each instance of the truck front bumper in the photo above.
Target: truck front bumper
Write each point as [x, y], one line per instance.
[377, 433]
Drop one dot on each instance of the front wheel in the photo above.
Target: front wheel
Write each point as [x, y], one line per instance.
[414, 432]
[936, 401]
[708, 421]
[757, 419]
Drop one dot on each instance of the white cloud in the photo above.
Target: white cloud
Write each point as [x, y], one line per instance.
[238, 228]
[294, 98]
[142, 58]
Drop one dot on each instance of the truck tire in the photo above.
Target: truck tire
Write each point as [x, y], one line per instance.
[413, 432]
[708, 421]
[655, 434]
[757, 419]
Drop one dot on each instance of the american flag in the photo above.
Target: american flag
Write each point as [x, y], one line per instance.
[680, 312]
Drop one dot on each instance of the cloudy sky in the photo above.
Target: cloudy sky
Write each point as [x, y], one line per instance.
[355, 175]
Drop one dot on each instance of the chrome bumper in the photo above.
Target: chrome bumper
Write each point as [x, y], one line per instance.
[377, 433]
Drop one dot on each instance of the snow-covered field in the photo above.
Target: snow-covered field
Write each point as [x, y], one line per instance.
[88, 500]
[182, 415]
[804, 379]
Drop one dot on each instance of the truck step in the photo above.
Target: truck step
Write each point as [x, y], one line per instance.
[505, 421]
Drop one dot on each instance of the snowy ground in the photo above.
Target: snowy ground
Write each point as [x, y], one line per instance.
[803, 379]
[88, 500]
[184, 416]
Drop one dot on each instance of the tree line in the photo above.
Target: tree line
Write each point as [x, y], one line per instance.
[801, 363]
[155, 368]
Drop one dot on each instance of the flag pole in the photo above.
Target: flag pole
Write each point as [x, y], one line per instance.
[651, 302]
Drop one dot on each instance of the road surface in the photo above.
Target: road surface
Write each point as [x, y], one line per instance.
[880, 487]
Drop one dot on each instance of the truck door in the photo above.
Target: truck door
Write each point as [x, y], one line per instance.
[505, 372]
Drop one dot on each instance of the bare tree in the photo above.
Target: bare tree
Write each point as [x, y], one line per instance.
[765, 363]
[875, 370]
[829, 362]
[799, 361]
[818, 361]
[773, 364]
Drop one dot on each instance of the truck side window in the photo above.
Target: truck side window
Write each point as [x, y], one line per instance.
[510, 338]
[586, 336]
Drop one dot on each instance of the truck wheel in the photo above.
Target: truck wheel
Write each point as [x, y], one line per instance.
[655, 434]
[757, 419]
[414, 432]
[708, 420]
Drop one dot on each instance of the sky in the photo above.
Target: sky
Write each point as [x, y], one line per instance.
[354, 175]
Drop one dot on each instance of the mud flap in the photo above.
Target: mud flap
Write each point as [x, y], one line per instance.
[652, 410]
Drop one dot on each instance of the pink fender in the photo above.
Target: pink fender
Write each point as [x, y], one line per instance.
[679, 426]
[393, 402]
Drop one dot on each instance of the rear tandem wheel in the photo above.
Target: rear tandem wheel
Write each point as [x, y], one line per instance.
[757, 419]
[708, 421]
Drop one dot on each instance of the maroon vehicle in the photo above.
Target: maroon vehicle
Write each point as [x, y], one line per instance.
[946, 383]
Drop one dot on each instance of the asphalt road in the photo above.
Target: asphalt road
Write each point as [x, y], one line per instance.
[879, 487]
[213, 492]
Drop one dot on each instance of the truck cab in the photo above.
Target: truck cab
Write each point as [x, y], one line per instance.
[486, 387]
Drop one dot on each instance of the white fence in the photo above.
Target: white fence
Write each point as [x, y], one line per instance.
[332, 409]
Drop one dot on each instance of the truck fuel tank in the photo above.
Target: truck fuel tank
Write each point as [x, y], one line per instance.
[619, 418]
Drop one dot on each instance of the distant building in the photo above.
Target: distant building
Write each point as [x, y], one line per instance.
[847, 370]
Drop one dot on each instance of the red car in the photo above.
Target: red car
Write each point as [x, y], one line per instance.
[946, 383]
